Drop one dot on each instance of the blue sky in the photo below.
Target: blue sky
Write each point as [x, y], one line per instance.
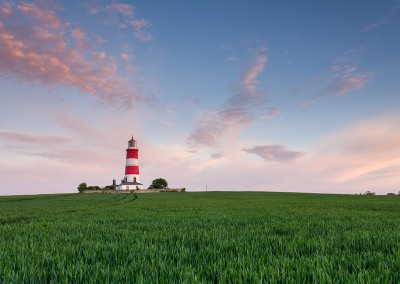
[256, 95]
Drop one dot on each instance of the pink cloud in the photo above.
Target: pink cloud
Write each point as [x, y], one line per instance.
[363, 156]
[46, 17]
[125, 56]
[273, 112]
[124, 9]
[82, 42]
[32, 138]
[235, 114]
[249, 80]
[275, 153]
[213, 126]
[75, 125]
[142, 36]
[85, 143]
[57, 172]
[352, 83]
[345, 77]
[122, 16]
[138, 24]
[139, 33]
[6, 9]
[99, 56]
[360, 150]
[36, 54]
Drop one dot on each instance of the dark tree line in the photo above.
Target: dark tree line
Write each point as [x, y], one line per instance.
[83, 186]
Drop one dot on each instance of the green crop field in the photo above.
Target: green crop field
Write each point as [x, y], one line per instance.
[210, 237]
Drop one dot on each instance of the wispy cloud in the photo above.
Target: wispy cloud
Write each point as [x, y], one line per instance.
[32, 138]
[36, 50]
[83, 142]
[344, 77]
[249, 80]
[274, 153]
[213, 125]
[272, 112]
[82, 41]
[122, 16]
[360, 150]
[47, 17]
[125, 56]
[381, 22]
[236, 112]
[123, 9]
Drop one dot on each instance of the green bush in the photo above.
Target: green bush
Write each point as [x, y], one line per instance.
[159, 183]
[82, 187]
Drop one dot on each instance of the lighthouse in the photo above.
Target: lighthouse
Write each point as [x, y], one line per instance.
[131, 180]
[132, 165]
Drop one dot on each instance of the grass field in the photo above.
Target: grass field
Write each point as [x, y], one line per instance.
[210, 237]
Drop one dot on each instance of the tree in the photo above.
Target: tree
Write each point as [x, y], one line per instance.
[93, 187]
[82, 187]
[159, 183]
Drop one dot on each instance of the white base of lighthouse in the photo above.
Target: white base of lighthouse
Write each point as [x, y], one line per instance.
[132, 178]
[128, 185]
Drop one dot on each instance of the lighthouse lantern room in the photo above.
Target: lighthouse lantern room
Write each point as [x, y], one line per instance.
[131, 180]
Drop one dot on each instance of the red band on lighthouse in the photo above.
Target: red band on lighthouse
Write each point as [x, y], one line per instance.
[132, 153]
[132, 170]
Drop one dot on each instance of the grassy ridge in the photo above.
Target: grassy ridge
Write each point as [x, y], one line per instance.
[200, 237]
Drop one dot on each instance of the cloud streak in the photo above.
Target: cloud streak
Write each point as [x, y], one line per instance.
[249, 81]
[46, 17]
[381, 22]
[236, 112]
[122, 16]
[344, 77]
[274, 153]
[35, 48]
[32, 138]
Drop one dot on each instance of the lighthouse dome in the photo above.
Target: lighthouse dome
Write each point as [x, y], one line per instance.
[132, 143]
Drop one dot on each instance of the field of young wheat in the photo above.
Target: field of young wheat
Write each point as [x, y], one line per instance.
[218, 237]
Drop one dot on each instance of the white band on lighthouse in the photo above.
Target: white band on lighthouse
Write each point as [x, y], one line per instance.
[132, 162]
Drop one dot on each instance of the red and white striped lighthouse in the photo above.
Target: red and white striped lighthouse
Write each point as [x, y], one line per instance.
[131, 179]
[132, 164]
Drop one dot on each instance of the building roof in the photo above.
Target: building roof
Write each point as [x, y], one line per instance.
[130, 183]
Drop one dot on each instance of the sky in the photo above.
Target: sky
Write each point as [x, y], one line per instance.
[291, 96]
